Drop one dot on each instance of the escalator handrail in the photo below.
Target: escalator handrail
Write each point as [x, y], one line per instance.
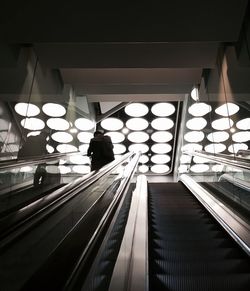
[86, 253]
[34, 160]
[29, 215]
[239, 163]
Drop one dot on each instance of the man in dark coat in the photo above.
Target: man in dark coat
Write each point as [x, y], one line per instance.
[100, 150]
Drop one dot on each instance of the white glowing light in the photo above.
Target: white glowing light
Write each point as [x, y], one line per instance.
[195, 94]
[143, 159]
[64, 169]
[243, 124]
[79, 159]
[52, 169]
[81, 169]
[34, 133]
[218, 136]
[112, 123]
[199, 109]
[138, 136]
[161, 136]
[143, 148]
[125, 130]
[242, 136]
[199, 168]
[116, 137]
[162, 123]
[160, 159]
[159, 169]
[27, 109]
[215, 148]
[137, 124]
[49, 149]
[84, 124]
[234, 148]
[136, 109]
[143, 169]
[222, 123]
[32, 123]
[85, 136]
[196, 123]
[161, 148]
[26, 169]
[83, 148]
[53, 109]
[194, 136]
[227, 109]
[163, 109]
[62, 137]
[58, 123]
[190, 147]
[66, 148]
[199, 160]
[183, 169]
[185, 159]
[119, 149]
[217, 168]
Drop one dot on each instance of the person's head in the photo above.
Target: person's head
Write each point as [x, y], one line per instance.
[98, 133]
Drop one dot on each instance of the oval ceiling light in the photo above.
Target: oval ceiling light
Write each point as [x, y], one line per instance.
[243, 124]
[215, 148]
[49, 149]
[199, 109]
[242, 136]
[138, 137]
[58, 123]
[116, 137]
[112, 123]
[83, 148]
[185, 159]
[196, 123]
[159, 169]
[183, 169]
[137, 123]
[84, 123]
[199, 160]
[143, 159]
[234, 148]
[81, 169]
[227, 109]
[161, 148]
[79, 159]
[26, 169]
[53, 109]
[218, 136]
[190, 147]
[85, 137]
[222, 123]
[52, 169]
[161, 136]
[194, 136]
[199, 168]
[143, 169]
[217, 168]
[64, 169]
[34, 133]
[163, 109]
[66, 148]
[32, 123]
[27, 109]
[62, 137]
[160, 159]
[162, 123]
[139, 147]
[136, 109]
[119, 149]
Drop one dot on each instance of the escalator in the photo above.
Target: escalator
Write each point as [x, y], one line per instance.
[188, 249]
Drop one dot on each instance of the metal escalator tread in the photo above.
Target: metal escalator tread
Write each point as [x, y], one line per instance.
[188, 250]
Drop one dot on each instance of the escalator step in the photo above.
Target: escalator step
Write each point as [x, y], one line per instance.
[237, 282]
[232, 266]
[159, 233]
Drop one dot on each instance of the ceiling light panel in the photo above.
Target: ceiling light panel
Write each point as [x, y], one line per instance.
[137, 123]
[57, 124]
[227, 109]
[163, 109]
[162, 136]
[54, 109]
[162, 123]
[27, 109]
[116, 137]
[84, 124]
[199, 109]
[136, 109]
[138, 137]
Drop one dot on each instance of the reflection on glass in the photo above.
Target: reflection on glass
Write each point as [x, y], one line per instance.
[138, 147]
[199, 160]
[234, 148]
[215, 148]
[66, 148]
[26, 169]
[27, 109]
[79, 159]
[62, 137]
[191, 147]
[199, 168]
[163, 109]
[116, 137]
[83, 148]
[136, 109]
[183, 169]
[81, 169]
[159, 169]
[53, 109]
[185, 159]
[64, 169]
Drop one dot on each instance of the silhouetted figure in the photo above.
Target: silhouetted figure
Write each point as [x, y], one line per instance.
[100, 150]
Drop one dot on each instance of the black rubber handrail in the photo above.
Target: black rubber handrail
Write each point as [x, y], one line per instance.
[15, 224]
